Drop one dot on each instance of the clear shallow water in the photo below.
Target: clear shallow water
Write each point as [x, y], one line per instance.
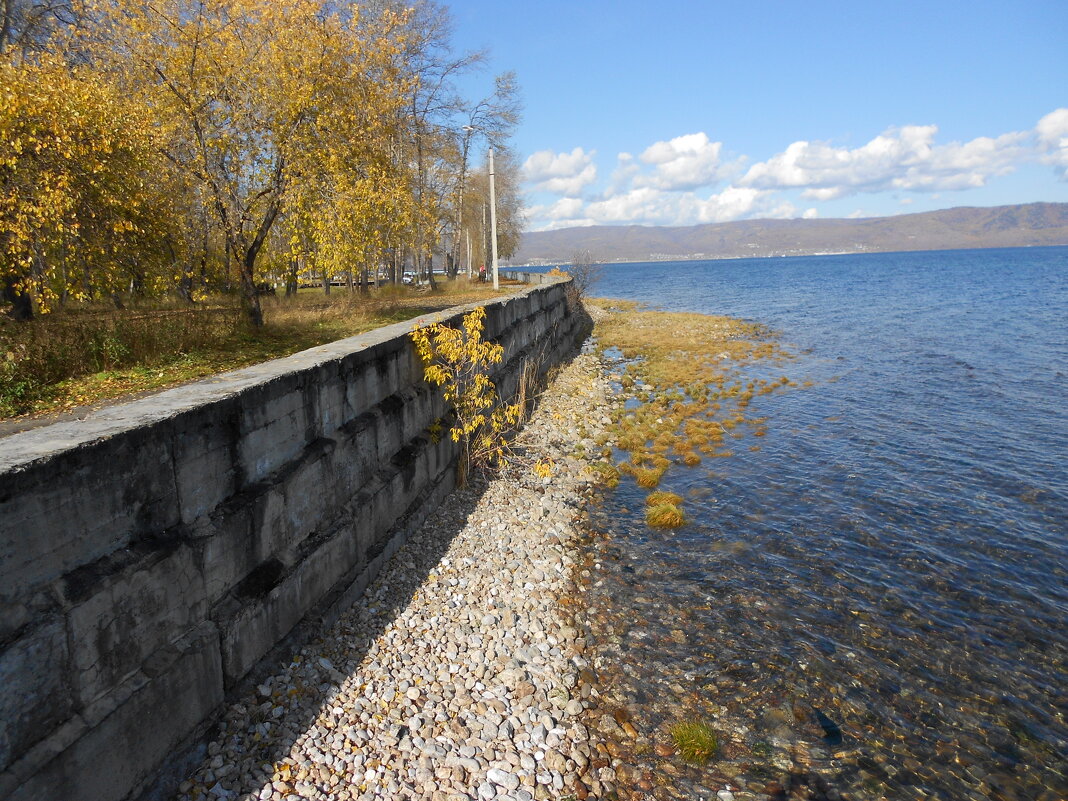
[875, 603]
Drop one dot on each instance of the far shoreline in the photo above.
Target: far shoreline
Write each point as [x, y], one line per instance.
[546, 266]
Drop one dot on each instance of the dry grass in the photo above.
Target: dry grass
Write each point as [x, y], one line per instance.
[606, 473]
[664, 515]
[91, 353]
[661, 497]
[703, 374]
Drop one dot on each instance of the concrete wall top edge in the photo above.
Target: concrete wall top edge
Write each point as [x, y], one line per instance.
[20, 451]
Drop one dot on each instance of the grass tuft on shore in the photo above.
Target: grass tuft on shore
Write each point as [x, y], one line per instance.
[695, 740]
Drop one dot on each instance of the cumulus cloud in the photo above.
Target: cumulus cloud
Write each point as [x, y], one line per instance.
[561, 173]
[649, 206]
[1052, 136]
[623, 174]
[683, 163]
[669, 182]
[567, 208]
[905, 158]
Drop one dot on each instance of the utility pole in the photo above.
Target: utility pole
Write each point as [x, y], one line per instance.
[493, 221]
[469, 131]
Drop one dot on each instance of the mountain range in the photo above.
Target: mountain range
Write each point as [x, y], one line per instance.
[958, 228]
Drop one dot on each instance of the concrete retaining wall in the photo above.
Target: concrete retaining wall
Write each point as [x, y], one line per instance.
[152, 554]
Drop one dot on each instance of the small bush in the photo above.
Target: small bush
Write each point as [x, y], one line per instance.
[665, 515]
[695, 740]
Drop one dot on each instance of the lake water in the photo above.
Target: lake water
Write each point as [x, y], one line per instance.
[875, 603]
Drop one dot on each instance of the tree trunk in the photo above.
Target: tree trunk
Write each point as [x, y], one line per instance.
[430, 273]
[21, 305]
[291, 279]
[249, 294]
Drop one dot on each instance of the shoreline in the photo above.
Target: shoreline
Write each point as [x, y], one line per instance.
[459, 674]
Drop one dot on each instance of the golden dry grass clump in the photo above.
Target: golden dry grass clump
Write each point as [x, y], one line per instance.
[664, 515]
[662, 496]
[606, 473]
[690, 375]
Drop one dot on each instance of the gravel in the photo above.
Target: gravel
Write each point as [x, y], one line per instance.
[459, 674]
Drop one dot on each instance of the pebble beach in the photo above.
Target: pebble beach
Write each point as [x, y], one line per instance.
[460, 674]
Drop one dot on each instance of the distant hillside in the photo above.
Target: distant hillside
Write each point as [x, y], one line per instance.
[965, 227]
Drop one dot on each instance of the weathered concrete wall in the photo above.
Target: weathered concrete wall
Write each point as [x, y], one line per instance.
[153, 553]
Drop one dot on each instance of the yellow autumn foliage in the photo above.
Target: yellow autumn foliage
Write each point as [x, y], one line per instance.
[75, 199]
[458, 360]
[205, 146]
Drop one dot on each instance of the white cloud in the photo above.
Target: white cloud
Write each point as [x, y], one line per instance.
[905, 158]
[626, 169]
[732, 203]
[826, 193]
[566, 208]
[669, 182]
[567, 212]
[1052, 135]
[636, 205]
[685, 162]
[561, 173]
[648, 206]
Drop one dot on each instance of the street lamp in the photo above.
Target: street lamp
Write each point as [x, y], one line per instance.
[493, 221]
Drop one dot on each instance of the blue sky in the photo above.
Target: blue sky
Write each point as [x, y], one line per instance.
[676, 113]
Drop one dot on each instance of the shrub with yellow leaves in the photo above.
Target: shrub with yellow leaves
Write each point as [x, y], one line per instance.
[459, 361]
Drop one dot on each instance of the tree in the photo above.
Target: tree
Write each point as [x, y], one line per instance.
[585, 271]
[492, 119]
[27, 26]
[248, 97]
[76, 207]
[198, 145]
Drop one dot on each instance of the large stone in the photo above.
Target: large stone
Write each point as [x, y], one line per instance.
[251, 499]
[260, 622]
[204, 467]
[60, 513]
[36, 695]
[131, 733]
[140, 600]
[275, 424]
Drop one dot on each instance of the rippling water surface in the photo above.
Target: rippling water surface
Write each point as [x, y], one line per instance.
[875, 603]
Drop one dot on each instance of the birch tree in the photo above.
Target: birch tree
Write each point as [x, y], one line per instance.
[245, 94]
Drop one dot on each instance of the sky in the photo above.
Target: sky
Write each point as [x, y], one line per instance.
[666, 112]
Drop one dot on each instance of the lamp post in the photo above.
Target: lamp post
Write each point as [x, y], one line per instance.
[493, 221]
